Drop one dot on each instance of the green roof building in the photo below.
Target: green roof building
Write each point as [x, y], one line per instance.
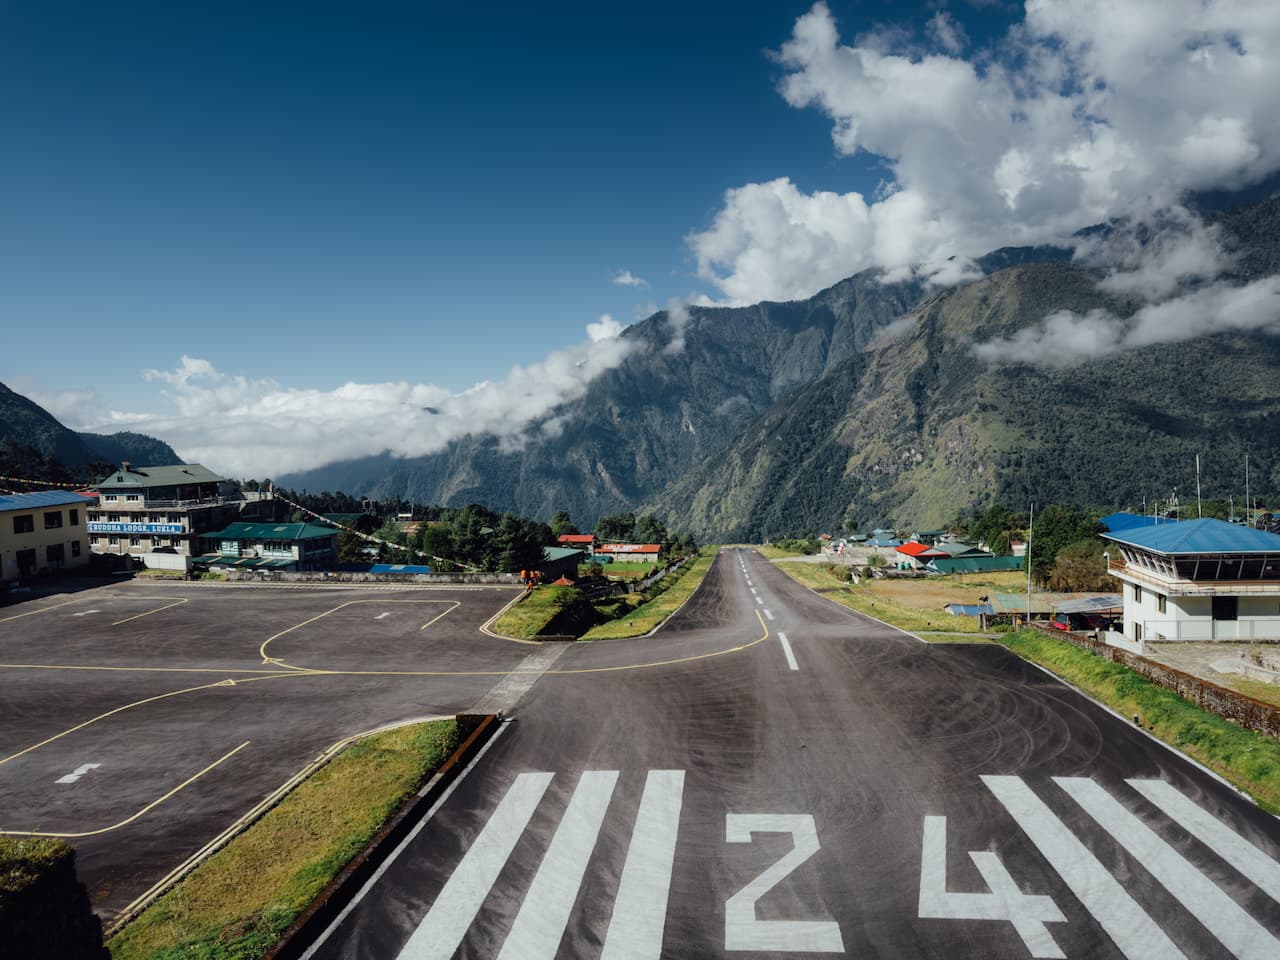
[278, 546]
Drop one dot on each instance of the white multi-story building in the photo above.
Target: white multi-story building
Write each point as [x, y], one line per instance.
[1198, 580]
[147, 509]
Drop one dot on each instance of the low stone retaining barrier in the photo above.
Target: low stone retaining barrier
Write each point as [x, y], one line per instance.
[1249, 713]
[338, 576]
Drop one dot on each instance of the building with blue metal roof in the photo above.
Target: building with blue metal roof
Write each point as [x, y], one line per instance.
[1197, 580]
[42, 532]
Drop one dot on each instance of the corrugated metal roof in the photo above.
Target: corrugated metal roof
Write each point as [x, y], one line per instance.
[1017, 602]
[171, 475]
[1199, 536]
[41, 498]
[1105, 601]
[969, 609]
[272, 531]
[976, 564]
[1126, 521]
[560, 553]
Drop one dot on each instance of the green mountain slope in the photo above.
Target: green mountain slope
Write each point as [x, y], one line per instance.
[24, 423]
[644, 424]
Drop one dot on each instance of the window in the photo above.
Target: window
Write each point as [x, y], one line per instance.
[75, 548]
[55, 554]
[75, 518]
[135, 541]
[132, 496]
[113, 541]
[1160, 598]
[52, 519]
[24, 523]
[1137, 593]
[1226, 608]
[113, 518]
[94, 541]
[110, 497]
[1137, 631]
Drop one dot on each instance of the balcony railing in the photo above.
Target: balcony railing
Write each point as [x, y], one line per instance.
[1245, 629]
[149, 503]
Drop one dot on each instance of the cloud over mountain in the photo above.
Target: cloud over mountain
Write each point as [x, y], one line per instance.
[1086, 110]
[245, 427]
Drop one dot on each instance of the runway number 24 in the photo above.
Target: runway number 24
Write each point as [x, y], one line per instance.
[743, 931]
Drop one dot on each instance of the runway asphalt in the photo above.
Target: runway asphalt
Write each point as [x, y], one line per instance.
[772, 775]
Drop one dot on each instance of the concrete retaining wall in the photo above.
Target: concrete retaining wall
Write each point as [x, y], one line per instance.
[330, 576]
[1247, 712]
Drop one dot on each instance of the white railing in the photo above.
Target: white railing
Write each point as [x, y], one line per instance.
[1245, 629]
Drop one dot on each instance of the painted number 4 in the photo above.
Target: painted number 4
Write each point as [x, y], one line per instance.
[1027, 912]
[742, 931]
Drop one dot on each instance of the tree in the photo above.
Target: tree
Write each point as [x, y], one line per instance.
[351, 548]
[620, 526]
[437, 541]
[1081, 566]
[562, 524]
[1057, 526]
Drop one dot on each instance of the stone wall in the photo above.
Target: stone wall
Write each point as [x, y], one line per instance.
[1237, 707]
[249, 575]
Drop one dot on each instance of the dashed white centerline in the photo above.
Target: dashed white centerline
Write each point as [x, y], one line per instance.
[786, 649]
[768, 614]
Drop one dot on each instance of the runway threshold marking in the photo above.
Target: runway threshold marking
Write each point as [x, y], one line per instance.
[454, 909]
[539, 926]
[128, 820]
[1135, 933]
[1203, 899]
[786, 649]
[640, 908]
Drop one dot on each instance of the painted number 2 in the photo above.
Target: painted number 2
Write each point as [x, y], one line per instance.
[742, 931]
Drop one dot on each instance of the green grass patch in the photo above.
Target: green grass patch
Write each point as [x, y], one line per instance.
[236, 905]
[1249, 760]
[672, 591]
[868, 597]
[530, 616]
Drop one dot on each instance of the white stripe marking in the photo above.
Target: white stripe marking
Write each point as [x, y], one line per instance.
[381, 615]
[1214, 834]
[1135, 933]
[640, 908]
[1222, 916]
[786, 648]
[454, 910]
[768, 614]
[400, 848]
[539, 926]
[85, 613]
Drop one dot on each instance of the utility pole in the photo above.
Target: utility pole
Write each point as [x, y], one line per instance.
[1199, 508]
[1031, 522]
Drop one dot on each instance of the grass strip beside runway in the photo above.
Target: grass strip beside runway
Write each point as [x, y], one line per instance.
[238, 902]
[1249, 760]
[676, 587]
[914, 605]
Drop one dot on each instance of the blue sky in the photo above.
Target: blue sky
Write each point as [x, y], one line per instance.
[319, 192]
[372, 207]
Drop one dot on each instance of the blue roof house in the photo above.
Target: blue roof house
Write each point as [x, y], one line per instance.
[1196, 580]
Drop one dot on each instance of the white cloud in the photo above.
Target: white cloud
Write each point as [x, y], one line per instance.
[1086, 110]
[1152, 259]
[1064, 338]
[70, 407]
[605, 328]
[625, 278]
[677, 323]
[947, 32]
[254, 428]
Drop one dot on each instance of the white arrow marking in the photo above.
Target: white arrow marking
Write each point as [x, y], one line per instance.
[85, 613]
[79, 772]
[381, 615]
